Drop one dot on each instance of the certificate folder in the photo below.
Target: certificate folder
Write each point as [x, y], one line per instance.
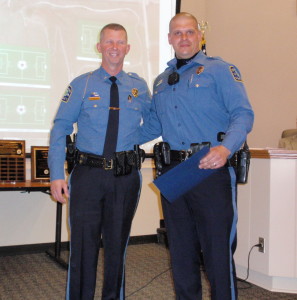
[182, 178]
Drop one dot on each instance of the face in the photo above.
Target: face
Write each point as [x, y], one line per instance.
[114, 47]
[184, 37]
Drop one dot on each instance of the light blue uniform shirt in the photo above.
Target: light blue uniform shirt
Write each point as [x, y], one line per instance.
[209, 98]
[86, 102]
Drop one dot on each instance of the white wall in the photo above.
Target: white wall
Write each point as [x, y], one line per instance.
[260, 37]
[267, 208]
[30, 218]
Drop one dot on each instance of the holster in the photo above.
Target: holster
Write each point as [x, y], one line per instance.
[124, 161]
[161, 156]
[240, 161]
[70, 152]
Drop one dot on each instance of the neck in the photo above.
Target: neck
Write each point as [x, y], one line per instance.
[183, 61]
[112, 70]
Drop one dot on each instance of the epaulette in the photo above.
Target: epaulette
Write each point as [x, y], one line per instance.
[215, 58]
[83, 76]
[88, 73]
[134, 75]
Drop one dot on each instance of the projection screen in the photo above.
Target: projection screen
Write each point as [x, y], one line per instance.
[45, 44]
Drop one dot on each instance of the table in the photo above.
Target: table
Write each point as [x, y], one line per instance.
[43, 187]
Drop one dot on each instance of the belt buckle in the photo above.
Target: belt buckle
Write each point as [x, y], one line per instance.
[107, 165]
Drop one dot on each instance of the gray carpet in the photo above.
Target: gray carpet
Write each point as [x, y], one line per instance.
[36, 276]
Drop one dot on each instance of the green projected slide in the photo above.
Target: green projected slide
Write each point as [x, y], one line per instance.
[19, 65]
[88, 39]
[44, 45]
[23, 110]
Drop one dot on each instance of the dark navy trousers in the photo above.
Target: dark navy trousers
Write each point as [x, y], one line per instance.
[100, 204]
[204, 220]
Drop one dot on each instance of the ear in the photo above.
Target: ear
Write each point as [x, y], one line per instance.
[200, 35]
[98, 46]
[127, 48]
[169, 38]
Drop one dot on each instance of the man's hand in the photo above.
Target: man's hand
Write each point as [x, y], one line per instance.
[59, 190]
[215, 158]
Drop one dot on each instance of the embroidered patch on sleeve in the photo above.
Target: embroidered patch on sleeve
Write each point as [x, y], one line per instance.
[235, 74]
[67, 94]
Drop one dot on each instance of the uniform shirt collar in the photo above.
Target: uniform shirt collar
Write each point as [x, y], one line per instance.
[105, 75]
[198, 58]
[181, 61]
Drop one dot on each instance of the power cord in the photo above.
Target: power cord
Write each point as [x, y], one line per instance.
[248, 270]
[144, 286]
[238, 279]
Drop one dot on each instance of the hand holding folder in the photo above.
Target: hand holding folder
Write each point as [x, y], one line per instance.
[185, 176]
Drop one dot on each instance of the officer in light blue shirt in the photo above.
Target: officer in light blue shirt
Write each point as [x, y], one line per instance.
[200, 100]
[100, 202]
[86, 102]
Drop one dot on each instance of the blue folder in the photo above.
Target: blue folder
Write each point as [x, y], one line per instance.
[182, 178]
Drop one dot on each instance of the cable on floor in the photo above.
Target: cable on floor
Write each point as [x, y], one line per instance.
[144, 286]
[238, 279]
[248, 271]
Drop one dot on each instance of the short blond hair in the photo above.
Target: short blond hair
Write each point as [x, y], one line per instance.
[113, 26]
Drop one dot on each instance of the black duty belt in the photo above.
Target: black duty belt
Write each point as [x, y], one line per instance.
[92, 160]
[122, 163]
[163, 155]
[180, 155]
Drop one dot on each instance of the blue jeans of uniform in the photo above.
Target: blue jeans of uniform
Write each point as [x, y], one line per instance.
[100, 204]
[204, 220]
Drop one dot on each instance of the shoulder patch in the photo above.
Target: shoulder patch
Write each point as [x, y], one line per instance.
[235, 74]
[67, 94]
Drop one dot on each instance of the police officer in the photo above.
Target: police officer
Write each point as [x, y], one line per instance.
[100, 202]
[195, 99]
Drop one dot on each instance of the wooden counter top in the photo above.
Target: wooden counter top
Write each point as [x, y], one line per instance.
[273, 153]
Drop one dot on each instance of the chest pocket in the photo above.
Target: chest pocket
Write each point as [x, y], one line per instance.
[133, 103]
[199, 81]
[94, 111]
[94, 100]
[201, 91]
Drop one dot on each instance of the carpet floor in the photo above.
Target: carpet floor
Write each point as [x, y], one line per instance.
[148, 276]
